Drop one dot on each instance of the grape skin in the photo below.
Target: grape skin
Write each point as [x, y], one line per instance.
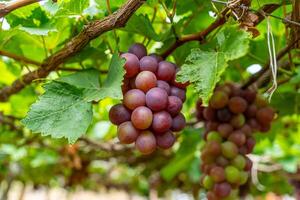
[162, 122]
[138, 49]
[119, 114]
[166, 140]
[164, 85]
[178, 123]
[127, 133]
[132, 65]
[174, 105]
[157, 99]
[218, 100]
[142, 117]
[237, 105]
[134, 98]
[165, 71]
[148, 63]
[175, 91]
[146, 142]
[145, 81]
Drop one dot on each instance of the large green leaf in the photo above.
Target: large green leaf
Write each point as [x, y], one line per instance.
[89, 81]
[60, 112]
[204, 68]
[233, 42]
[141, 24]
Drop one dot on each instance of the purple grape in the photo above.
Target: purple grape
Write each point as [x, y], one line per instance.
[157, 99]
[132, 65]
[134, 98]
[175, 91]
[119, 114]
[174, 105]
[148, 63]
[166, 140]
[146, 142]
[138, 49]
[142, 117]
[162, 122]
[178, 123]
[164, 85]
[127, 133]
[165, 71]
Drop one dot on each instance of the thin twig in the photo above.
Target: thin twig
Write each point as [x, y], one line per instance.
[6, 8]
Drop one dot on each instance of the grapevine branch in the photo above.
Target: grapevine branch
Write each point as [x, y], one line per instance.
[90, 32]
[6, 8]
[200, 36]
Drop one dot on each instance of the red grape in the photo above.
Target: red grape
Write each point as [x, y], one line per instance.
[178, 123]
[156, 57]
[238, 138]
[237, 105]
[119, 114]
[225, 130]
[217, 174]
[222, 189]
[166, 140]
[134, 98]
[174, 105]
[165, 71]
[157, 99]
[132, 65]
[148, 63]
[162, 122]
[146, 142]
[138, 49]
[224, 115]
[265, 115]
[164, 85]
[209, 114]
[175, 91]
[145, 81]
[238, 121]
[127, 133]
[142, 117]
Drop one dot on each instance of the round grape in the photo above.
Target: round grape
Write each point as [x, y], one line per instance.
[232, 174]
[178, 123]
[132, 65]
[224, 115]
[138, 49]
[148, 63]
[217, 174]
[127, 133]
[165, 71]
[229, 149]
[225, 130]
[146, 142]
[237, 105]
[142, 117]
[164, 85]
[238, 121]
[209, 114]
[145, 81]
[222, 189]
[134, 98]
[162, 122]
[119, 114]
[218, 100]
[265, 115]
[174, 105]
[175, 91]
[156, 57]
[157, 99]
[166, 140]
[238, 138]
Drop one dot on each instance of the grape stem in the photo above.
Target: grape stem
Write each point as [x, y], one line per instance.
[6, 8]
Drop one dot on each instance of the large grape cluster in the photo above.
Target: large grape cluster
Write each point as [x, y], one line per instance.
[231, 118]
[150, 111]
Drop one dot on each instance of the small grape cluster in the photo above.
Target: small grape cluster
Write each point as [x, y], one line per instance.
[152, 102]
[231, 118]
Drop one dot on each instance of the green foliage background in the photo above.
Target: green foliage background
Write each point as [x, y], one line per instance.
[70, 104]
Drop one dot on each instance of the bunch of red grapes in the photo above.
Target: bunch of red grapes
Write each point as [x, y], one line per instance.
[231, 118]
[150, 111]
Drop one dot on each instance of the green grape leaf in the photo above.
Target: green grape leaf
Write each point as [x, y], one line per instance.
[38, 30]
[60, 112]
[141, 24]
[203, 69]
[72, 8]
[88, 80]
[233, 42]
